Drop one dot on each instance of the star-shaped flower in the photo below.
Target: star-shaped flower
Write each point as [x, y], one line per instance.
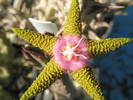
[70, 54]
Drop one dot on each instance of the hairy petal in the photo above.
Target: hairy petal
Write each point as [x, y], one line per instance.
[74, 47]
[98, 47]
[88, 82]
[73, 24]
[42, 41]
[49, 74]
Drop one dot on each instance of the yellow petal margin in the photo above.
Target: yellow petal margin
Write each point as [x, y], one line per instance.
[98, 47]
[49, 74]
[88, 82]
[42, 41]
[73, 24]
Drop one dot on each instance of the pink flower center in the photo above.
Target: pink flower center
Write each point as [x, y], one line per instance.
[71, 53]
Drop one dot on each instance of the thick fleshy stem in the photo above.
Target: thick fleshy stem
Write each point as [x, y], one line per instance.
[98, 47]
[73, 23]
[86, 79]
[49, 74]
[44, 42]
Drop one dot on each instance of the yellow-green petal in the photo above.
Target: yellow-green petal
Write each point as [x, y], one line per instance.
[73, 24]
[86, 79]
[50, 73]
[98, 47]
[42, 41]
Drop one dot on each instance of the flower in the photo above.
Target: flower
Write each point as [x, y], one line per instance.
[70, 54]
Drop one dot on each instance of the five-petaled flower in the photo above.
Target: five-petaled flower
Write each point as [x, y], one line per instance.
[70, 54]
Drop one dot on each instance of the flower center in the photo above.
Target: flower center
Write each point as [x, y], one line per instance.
[70, 52]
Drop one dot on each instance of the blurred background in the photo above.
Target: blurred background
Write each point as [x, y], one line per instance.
[20, 62]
